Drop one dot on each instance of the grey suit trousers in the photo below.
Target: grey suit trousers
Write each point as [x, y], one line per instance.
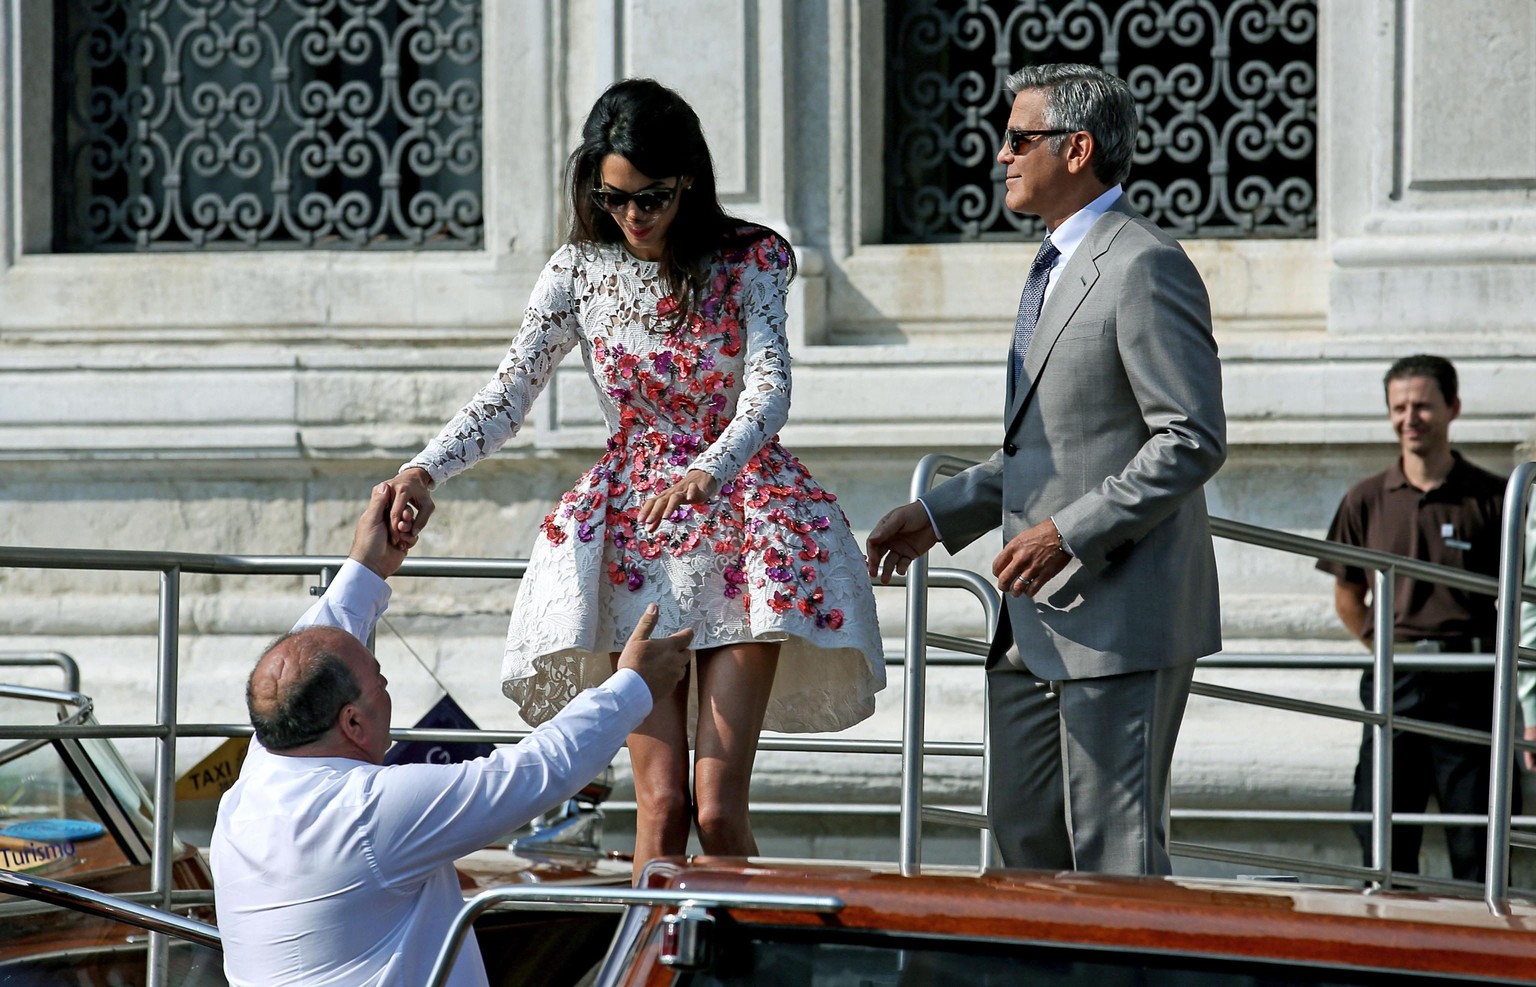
[1113, 738]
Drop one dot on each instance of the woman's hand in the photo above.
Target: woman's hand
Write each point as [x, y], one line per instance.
[409, 507]
[698, 487]
[898, 540]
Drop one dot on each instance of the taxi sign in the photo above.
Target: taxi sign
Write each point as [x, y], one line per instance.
[214, 774]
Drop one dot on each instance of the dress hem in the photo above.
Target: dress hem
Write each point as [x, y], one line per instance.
[799, 703]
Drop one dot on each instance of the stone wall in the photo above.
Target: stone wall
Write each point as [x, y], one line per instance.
[243, 403]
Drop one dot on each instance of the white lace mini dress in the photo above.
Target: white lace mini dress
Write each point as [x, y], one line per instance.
[770, 559]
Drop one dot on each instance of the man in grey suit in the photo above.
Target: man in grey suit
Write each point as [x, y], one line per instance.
[1113, 423]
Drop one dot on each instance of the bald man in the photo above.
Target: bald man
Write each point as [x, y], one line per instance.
[330, 868]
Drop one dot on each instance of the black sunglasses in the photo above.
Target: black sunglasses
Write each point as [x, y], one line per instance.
[649, 200]
[1016, 139]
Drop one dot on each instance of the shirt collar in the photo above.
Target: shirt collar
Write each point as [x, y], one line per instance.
[1397, 479]
[1075, 227]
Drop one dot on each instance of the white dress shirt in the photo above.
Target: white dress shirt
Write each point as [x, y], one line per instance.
[1071, 232]
[334, 871]
[1066, 238]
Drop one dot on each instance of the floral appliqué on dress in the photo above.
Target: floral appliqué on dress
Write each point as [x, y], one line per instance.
[769, 559]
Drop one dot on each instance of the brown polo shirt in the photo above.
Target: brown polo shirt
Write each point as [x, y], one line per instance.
[1456, 524]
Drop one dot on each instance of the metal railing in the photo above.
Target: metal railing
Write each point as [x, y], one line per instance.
[73, 720]
[1507, 650]
[914, 680]
[119, 909]
[58, 659]
[912, 746]
[1380, 718]
[166, 730]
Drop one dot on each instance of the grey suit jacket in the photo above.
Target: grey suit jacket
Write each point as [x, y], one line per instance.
[1116, 425]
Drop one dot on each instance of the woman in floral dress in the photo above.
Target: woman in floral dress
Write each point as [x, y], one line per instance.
[678, 310]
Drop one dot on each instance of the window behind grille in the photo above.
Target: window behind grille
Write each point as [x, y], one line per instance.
[267, 123]
[1227, 91]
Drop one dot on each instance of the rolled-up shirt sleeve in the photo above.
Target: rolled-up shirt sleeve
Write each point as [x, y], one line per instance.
[354, 602]
[426, 814]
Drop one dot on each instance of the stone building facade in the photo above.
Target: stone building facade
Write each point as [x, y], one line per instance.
[242, 400]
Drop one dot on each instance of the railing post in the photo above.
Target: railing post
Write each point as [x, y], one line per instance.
[1506, 645]
[1383, 600]
[988, 848]
[914, 683]
[157, 969]
[914, 678]
[992, 604]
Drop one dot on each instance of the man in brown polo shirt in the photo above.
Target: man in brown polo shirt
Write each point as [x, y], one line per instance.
[1432, 505]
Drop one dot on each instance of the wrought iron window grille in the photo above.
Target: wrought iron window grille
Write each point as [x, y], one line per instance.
[279, 124]
[1227, 91]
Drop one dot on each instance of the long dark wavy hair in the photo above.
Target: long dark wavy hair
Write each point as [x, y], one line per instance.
[656, 129]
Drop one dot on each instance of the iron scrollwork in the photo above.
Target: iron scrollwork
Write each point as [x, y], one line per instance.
[188, 124]
[1227, 91]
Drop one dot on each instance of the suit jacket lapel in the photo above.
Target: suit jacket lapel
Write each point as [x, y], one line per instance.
[1072, 286]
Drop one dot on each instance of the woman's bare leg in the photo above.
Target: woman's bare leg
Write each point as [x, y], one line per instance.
[658, 756]
[734, 682]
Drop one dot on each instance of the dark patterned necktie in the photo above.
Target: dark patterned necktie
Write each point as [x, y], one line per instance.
[1030, 300]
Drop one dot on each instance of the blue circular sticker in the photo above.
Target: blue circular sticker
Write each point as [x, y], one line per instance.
[53, 830]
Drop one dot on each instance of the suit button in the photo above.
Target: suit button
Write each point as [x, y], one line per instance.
[1009, 448]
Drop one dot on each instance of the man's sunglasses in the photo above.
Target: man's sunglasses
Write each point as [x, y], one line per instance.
[1016, 139]
[650, 200]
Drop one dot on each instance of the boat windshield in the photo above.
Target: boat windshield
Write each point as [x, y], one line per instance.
[50, 825]
[757, 955]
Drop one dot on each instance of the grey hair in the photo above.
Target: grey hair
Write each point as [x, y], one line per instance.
[303, 710]
[1083, 97]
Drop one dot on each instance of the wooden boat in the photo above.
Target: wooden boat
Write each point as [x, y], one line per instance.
[70, 915]
[79, 854]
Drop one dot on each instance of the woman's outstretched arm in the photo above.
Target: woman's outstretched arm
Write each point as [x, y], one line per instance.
[496, 412]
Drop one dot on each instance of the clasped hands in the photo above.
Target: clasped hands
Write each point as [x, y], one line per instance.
[410, 506]
[660, 662]
[1024, 566]
[410, 494]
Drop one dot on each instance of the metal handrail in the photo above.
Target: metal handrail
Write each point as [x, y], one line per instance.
[188, 898]
[244, 565]
[919, 579]
[1451, 662]
[64, 662]
[141, 731]
[81, 703]
[914, 681]
[1348, 872]
[627, 897]
[82, 710]
[1517, 493]
[1360, 558]
[166, 731]
[1507, 588]
[109, 906]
